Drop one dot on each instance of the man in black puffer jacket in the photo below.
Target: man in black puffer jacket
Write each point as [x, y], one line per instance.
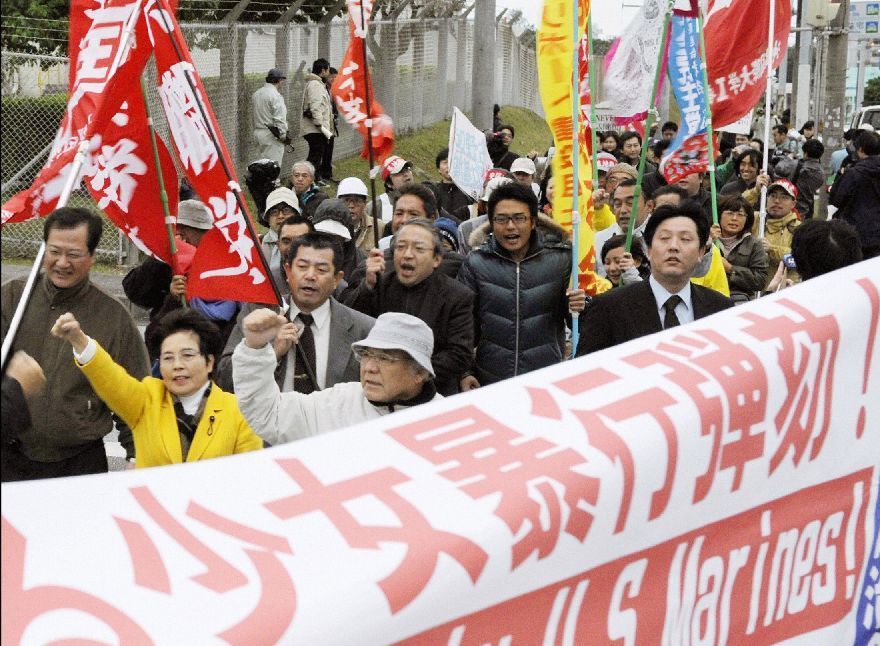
[520, 277]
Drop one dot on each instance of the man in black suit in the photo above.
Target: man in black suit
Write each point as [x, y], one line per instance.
[323, 356]
[676, 237]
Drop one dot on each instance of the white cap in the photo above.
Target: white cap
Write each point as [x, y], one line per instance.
[605, 161]
[523, 165]
[193, 213]
[491, 185]
[333, 227]
[866, 126]
[282, 195]
[399, 331]
[351, 186]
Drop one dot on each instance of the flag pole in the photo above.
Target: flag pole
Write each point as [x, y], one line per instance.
[762, 213]
[163, 194]
[709, 133]
[575, 147]
[649, 121]
[369, 126]
[593, 141]
[232, 184]
[73, 178]
[23, 301]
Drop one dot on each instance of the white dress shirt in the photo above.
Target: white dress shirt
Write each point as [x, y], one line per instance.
[684, 310]
[321, 333]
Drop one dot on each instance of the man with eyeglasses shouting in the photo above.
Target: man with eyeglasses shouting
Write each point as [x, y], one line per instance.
[68, 420]
[414, 286]
[396, 373]
[519, 276]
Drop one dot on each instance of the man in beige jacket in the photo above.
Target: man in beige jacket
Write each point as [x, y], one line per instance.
[316, 124]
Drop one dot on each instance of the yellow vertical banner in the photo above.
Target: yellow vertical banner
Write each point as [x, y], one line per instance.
[556, 46]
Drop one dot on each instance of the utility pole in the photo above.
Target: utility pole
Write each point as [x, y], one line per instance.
[833, 109]
[800, 90]
[483, 77]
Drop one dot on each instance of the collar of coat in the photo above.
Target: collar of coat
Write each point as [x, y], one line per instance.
[547, 233]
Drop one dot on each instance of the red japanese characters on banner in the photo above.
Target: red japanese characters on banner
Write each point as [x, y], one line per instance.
[735, 32]
[104, 111]
[713, 483]
[353, 85]
[227, 264]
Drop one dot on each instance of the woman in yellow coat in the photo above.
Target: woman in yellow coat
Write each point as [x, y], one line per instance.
[181, 417]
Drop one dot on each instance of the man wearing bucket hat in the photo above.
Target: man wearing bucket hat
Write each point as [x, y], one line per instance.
[395, 374]
[270, 118]
[280, 205]
[354, 193]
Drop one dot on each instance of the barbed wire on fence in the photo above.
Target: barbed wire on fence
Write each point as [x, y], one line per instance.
[420, 67]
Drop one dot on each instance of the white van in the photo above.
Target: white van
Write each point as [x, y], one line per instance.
[869, 114]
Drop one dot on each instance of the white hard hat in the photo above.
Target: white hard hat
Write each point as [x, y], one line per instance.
[491, 185]
[352, 186]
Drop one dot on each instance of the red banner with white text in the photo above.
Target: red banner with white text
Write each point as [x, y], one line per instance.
[227, 264]
[353, 87]
[106, 109]
[712, 483]
[736, 33]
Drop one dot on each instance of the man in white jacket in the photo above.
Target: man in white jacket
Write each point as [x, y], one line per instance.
[396, 373]
[269, 114]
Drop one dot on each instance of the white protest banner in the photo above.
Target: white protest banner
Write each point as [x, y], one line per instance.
[714, 483]
[468, 156]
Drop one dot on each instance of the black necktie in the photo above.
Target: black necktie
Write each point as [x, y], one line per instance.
[305, 351]
[670, 319]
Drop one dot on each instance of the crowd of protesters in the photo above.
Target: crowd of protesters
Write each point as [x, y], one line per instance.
[457, 294]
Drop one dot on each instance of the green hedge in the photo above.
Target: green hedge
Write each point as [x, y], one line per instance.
[29, 124]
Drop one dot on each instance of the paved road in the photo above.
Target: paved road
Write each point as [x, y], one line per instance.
[112, 284]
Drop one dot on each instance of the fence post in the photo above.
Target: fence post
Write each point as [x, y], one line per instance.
[441, 106]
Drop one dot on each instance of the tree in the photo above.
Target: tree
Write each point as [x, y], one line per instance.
[872, 92]
[35, 26]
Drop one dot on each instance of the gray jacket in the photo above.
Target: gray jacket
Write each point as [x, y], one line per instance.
[346, 327]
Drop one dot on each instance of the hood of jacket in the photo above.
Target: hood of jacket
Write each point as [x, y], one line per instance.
[313, 77]
[550, 230]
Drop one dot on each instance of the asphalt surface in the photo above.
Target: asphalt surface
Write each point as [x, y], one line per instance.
[112, 284]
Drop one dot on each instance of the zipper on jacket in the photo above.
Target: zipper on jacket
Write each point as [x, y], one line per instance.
[517, 324]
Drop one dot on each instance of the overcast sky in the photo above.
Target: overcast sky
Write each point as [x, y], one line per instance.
[610, 16]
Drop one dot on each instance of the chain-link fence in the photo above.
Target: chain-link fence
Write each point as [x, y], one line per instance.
[420, 68]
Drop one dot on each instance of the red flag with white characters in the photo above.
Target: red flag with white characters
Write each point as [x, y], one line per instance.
[735, 32]
[227, 264]
[350, 88]
[105, 67]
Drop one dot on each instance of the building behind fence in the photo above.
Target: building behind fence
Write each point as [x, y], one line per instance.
[421, 68]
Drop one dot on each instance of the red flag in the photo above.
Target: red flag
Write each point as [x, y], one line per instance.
[227, 264]
[350, 88]
[104, 67]
[735, 32]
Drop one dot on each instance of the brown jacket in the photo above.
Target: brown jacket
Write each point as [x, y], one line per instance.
[68, 415]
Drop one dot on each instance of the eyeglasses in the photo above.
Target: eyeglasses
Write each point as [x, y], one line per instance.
[72, 256]
[367, 354]
[417, 248]
[738, 214]
[285, 211]
[186, 356]
[503, 220]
